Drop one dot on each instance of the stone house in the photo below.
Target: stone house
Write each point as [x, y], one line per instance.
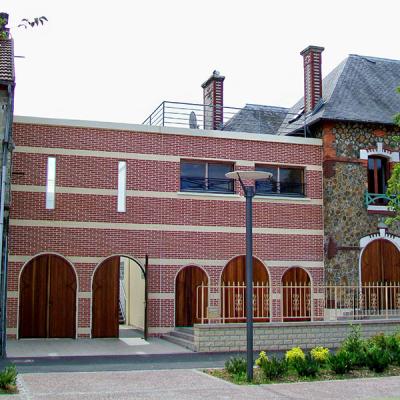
[352, 111]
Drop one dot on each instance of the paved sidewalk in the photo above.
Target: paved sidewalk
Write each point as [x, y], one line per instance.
[90, 347]
[190, 384]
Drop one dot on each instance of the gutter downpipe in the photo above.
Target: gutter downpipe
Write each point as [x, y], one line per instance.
[3, 246]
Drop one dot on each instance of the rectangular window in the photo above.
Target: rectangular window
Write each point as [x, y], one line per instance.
[121, 201]
[202, 176]
[51, 183]
[285, 181]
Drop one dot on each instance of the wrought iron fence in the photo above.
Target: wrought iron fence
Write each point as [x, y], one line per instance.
[298, 302]
[232, 306]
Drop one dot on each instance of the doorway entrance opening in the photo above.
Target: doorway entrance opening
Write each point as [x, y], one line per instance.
[118, 298]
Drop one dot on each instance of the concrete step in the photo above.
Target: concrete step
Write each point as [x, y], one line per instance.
[188, 329]
[181, 339]
[183, 335]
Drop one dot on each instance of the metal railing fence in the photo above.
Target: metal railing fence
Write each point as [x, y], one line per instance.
[250, 118]
[298, 302]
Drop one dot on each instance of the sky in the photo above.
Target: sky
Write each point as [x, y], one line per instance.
[118, 60]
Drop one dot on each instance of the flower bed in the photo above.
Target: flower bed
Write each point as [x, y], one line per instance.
[356, 358]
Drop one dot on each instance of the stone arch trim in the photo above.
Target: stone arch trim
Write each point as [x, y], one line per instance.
[380, 151]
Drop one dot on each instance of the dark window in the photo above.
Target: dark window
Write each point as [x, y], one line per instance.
[284, 181]
[201, 176]
[377, 175]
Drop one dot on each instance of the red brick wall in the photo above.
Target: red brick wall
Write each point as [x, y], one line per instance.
[161, 177]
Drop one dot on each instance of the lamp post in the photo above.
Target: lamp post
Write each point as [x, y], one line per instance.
[249, 193]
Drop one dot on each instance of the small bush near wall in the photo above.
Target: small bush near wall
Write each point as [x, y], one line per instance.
[355, 358]
[8, 379]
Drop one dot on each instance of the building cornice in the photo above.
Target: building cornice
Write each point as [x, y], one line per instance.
[166, 130]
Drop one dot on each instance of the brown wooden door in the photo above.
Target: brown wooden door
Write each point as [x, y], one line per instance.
[380, 262]
[296, 295]
[105, 292]
[62, 299]
[188, 301]
[47, 299]
[233, 295]
[380, 267]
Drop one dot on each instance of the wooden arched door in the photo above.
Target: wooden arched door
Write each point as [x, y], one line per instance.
[105, 298]
[190, 304]
[380, 262]
[233, 291]
[296, 295]
[380, 276]
[47, 307]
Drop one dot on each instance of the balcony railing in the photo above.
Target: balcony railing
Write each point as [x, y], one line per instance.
[285, 188]
[298, 302]
[214, 185]
[377, 199]
[251, 118]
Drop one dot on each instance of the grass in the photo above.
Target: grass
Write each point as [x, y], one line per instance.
[291, 377]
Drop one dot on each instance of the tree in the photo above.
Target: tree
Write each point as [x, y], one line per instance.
[393, 190]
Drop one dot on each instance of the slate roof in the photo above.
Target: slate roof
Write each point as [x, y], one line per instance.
[254, 118]
[360, 89]
[7, 60]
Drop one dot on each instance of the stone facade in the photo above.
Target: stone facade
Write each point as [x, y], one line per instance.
[346, 218]
[232, 337]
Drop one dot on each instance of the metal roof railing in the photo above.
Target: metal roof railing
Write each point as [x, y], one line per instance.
[250, 118]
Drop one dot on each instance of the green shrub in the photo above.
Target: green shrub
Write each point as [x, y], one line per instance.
[377, 359]
[341, 362]
[393, 347]
[273, 368]
[296, 353]
[320, 354]
[8, 377]
[356, 347]
[236, 366]
[306, 366]
[390, 344]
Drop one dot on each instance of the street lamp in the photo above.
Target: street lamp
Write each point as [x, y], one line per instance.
[249, 193]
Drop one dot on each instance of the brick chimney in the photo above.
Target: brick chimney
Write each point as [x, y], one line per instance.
[312, 76]
[213, 100]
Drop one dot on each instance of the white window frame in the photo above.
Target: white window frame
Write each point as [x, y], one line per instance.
[51, 183]
[121, 197]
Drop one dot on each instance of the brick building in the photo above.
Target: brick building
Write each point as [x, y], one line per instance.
[93, 202]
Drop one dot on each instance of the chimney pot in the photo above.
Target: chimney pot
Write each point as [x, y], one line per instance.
[312, 61]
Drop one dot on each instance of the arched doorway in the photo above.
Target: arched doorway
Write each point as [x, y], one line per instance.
[190, 304]
[118, 298]
[47, 303]
[296, 295]
[233, 291]
[380, 276]
[380, 262]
